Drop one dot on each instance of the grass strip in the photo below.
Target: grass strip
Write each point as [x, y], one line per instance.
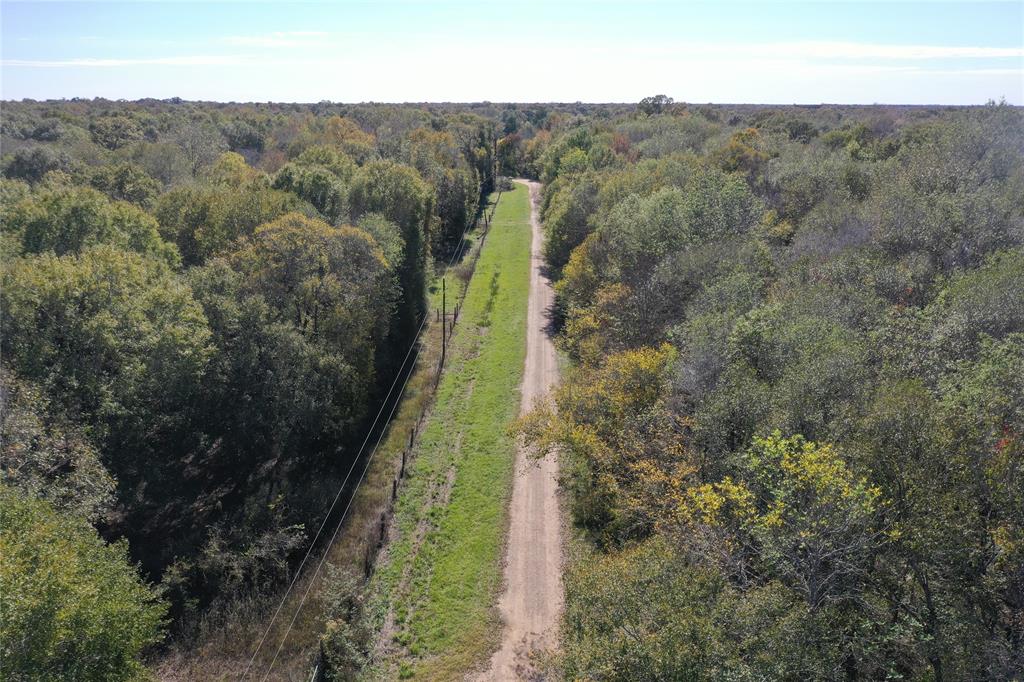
[438, 581]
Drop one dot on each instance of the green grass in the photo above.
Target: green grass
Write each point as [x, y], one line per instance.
[436, 587]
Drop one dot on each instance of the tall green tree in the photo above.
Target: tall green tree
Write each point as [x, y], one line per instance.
[398, 194]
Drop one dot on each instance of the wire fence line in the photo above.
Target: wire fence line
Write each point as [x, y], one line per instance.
[407, 370]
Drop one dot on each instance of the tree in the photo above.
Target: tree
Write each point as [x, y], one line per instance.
[330, 283]
[975, 305]
[73, 607]
[48, 457]
[164, 161]
[244, 135]
[794, 507]
[126, 182]
[67, 220]
[231, 170]
[398, 194]
[201, 144]
[347, 639]
[32, 163]
[642, 614]
[743, 153]
[655, 104]
[510, 155]
[298, 316]
[346, 135]
[207, 221]
[327, 157]
[388, 237]
[640, 231]
[983, 401]
[202, 407]
[114, 132]
[655, 611]
[567, 220]
[617, 440]
[440, 162]
[113, 336]
[317, 185]
[873, 310]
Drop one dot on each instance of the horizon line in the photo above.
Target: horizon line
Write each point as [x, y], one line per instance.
[1001, 101]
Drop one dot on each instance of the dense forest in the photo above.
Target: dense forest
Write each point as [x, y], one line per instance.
[793, 436]
[201, 307]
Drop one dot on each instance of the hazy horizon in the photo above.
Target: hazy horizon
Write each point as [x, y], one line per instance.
[525, 103]
[959, 53]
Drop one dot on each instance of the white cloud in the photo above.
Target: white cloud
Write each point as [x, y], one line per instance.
[821, 50]
[848, 50]
[974, 72]
[195, 60]
[279, 39]
[419, 69]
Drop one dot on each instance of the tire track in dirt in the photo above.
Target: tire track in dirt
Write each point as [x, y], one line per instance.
[531, 603]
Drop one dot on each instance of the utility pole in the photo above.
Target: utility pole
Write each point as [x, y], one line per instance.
[444, 321]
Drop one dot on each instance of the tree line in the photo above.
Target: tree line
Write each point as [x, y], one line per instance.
[202, 307]
[793, 433]
[790, 434]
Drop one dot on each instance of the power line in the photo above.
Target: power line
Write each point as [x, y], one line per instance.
[337, 497]
[366, 468]
[408, 374]
[337, 529]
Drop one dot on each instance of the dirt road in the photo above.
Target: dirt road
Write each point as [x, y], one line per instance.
[532, 601]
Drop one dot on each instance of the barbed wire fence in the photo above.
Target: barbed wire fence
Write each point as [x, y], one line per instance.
[375, 540]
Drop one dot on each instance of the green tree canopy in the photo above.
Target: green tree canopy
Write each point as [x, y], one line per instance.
[318, 185]
[47, 456]
[73, 607]
[208, 221]
[126, 182]
[116, 337]
[67, 220]
[400, 195]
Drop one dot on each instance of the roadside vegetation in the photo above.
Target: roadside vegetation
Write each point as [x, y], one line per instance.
[793, 433]
[331, 631]
[434, 592]
[790, 433]
[202, 308]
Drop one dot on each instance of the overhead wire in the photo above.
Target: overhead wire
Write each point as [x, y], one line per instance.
[394, 405]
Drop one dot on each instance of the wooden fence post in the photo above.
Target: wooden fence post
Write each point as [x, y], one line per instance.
[320, 671]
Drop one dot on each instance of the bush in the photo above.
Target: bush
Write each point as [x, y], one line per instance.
[345, 644]
[73, 607]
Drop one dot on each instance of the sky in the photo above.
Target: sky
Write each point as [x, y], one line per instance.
[524, 51]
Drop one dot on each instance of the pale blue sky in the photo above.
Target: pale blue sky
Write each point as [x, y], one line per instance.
[598, 51]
